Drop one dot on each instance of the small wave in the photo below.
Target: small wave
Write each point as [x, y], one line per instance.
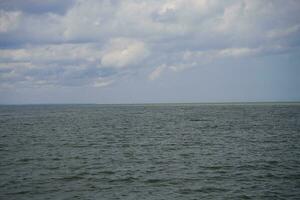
[71, 178]
[202, 190]
[25, 160]
[216, 167]
[107, 172]
[244, 197]
[20, 192]
[199, 120]
[127, 179]
[155, 181]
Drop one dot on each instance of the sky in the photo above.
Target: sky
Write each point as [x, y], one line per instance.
[142, 51]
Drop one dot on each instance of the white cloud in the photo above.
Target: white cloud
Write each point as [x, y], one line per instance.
[157, 72]
[9, 20]
[122, 52]
[87, 20]
[237, 52]
[279, 33]
[212, 55]
[230, 17]
[64, 53]
[102, 82]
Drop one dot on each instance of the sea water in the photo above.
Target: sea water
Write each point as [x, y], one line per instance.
[159, 151]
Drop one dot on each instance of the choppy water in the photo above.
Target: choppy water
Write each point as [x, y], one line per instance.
[150, 152]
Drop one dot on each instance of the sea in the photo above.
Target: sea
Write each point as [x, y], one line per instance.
[150, 151]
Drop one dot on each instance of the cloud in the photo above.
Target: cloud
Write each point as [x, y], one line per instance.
[9, 20]
[56, 53]
[37, 7]
[122, 52]
[279, 33]
[92, 42]
[60, 64]
[102, 82]
[157, 72]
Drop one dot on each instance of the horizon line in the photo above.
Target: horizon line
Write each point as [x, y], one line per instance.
[158, 103]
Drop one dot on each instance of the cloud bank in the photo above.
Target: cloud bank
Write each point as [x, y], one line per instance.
[97, 42]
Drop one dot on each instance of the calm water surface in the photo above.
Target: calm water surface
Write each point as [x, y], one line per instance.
[150, 152]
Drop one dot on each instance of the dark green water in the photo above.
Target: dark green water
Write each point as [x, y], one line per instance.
[150, 152]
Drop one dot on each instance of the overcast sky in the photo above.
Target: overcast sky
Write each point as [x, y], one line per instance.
[143, 51]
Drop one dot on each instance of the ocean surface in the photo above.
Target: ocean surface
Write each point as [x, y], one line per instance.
[167, 151]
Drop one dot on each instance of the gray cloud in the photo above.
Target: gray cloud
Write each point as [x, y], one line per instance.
[36, 7]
